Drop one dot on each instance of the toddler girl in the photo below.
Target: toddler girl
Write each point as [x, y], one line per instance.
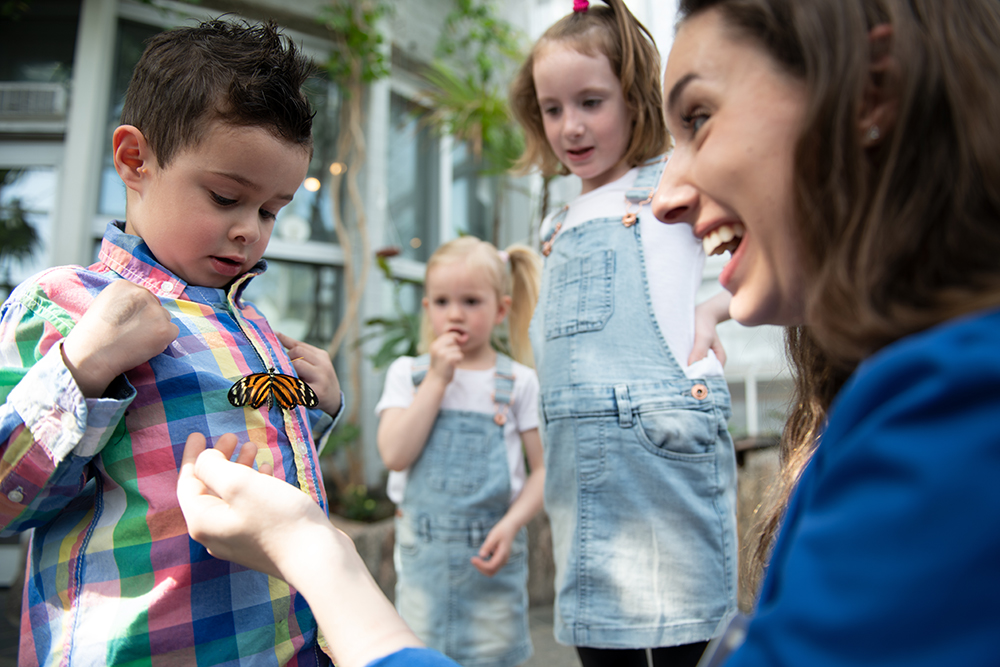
[452, 426]
[641, 487]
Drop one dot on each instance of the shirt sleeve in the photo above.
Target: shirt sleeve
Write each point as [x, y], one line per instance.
[888, 556]
[48, 431]
[525, 406]
[399, 390]
[414, 657]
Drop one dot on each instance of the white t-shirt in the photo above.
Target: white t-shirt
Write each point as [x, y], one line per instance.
[675, 261]
[469, 390]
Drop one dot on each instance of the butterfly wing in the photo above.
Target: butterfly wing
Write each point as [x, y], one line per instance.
[271, 387]
[252, 390]
[289, 391]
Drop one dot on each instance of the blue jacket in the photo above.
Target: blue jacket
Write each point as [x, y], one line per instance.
[890, 551]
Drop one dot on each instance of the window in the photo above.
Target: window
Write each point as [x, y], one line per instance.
[413, 182]
[26, 196]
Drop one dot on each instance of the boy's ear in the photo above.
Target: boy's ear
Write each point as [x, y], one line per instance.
[132, 156]
[879, 102]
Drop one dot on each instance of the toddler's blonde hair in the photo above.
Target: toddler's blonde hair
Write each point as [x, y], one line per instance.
[517, 274]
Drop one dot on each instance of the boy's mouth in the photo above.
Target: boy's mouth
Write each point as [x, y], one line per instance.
[227, 266]
[721, 239]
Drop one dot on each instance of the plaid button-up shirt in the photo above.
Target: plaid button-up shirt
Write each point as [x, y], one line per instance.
[113, 577]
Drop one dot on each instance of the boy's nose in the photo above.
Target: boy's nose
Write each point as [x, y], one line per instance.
[246, 229]
[674, 201]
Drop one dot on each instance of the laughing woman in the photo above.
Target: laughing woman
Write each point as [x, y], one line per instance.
[853, 147]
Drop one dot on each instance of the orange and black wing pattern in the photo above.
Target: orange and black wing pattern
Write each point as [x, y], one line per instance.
[272, 388]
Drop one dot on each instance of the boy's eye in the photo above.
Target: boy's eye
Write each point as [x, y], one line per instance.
[267, 215]
[592, 102]
[472, 301]
[222, 201]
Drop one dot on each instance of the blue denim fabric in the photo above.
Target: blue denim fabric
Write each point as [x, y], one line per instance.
[640, 480]
[455, 493]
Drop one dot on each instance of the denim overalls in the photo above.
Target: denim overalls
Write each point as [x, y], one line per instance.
[640, 482]
[456, 491]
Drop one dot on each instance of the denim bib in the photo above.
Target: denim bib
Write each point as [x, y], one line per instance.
[640, 482]
[456, 491]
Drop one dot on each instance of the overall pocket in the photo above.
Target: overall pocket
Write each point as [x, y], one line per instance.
[456, 459]
[580, 296]
[678, 433]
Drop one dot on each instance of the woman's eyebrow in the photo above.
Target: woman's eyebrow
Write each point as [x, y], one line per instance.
[678, 89]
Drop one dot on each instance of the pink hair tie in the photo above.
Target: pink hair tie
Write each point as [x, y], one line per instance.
[503, 254]
[580, 5]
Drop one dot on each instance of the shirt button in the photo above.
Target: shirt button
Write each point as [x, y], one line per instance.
[15, 496]
[699, 391]
[167, 286]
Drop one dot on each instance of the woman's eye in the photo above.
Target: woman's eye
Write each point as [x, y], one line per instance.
[550, 111]
[222, 201]
[694, 120]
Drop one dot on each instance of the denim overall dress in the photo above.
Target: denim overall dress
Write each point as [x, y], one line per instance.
[456, 491]
[640, 482]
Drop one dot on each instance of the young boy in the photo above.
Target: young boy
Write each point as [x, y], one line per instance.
[105, 371]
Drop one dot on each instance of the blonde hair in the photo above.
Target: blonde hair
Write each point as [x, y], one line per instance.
[613, 31]
[517, 275]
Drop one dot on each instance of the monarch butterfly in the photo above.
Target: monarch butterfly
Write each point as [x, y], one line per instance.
[272, 387]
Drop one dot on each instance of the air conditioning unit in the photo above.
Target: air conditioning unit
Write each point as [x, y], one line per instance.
[35, 101]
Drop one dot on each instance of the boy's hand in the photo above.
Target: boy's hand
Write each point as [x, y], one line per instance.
[445, 356]
[124, 327]
[495, 551]
[315, 368]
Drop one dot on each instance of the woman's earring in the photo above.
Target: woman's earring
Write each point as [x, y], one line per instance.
[873, 134]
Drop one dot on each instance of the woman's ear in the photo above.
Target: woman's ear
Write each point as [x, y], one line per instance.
[132, 156]
[880, 101]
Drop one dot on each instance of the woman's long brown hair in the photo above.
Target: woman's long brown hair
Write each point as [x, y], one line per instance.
[898, 236]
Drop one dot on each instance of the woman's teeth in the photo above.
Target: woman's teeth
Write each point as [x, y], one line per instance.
[723, 238]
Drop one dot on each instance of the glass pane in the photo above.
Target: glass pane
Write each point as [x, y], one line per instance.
[413, 179]
[300, 300]
[131, 43]
[26, 197]
[38, 45]
[310, 215]
[472, 195]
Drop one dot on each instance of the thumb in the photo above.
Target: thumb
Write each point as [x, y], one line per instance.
[699, 351]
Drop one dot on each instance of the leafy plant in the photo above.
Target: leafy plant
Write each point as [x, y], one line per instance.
[399, 333]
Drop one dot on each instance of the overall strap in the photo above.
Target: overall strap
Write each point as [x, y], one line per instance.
[557, 219]
[421, 365]
[643, 189]
[503, 388]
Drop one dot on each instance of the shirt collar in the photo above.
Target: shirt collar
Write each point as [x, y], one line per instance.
[129, 256]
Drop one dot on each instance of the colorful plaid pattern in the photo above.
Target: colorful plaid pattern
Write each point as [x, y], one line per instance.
[113, 577]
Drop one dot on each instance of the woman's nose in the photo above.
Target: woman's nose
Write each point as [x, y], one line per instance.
[674, 200]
